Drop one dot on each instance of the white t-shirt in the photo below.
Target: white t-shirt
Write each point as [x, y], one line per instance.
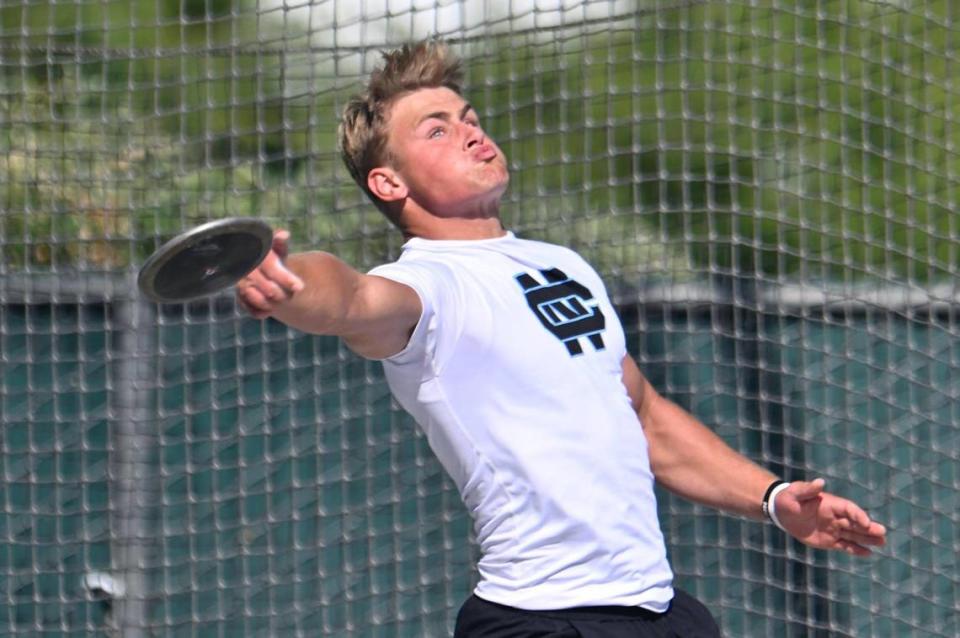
[514, 372]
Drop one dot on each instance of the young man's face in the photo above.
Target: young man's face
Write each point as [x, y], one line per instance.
[449, 165]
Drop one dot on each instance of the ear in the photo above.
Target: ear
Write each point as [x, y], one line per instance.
[386, 184]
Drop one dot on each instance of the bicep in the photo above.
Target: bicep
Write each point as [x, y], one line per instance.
[643, 396]
[382, 317]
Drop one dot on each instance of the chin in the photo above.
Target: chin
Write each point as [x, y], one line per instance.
[504, 182]
[497, 177]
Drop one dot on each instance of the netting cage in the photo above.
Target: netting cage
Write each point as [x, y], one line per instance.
[767, 187]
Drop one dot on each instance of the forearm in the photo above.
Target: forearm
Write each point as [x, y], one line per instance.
[689, 459]
[324, 304]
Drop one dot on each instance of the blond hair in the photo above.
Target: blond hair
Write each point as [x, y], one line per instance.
[363, 127]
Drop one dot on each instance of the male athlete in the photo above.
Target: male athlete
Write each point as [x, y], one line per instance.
[512, 360]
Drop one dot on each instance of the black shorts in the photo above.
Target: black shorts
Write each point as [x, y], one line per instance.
[686, 618]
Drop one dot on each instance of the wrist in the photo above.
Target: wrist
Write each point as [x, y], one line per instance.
[769, 504]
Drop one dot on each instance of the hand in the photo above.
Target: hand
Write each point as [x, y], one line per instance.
[271, 283]
[826, 521]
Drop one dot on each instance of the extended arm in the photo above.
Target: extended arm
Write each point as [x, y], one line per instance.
[690, 460]
[318, 293]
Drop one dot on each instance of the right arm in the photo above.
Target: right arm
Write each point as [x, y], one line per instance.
[318, 293]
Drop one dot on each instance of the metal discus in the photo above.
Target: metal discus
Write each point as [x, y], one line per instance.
[205, 260]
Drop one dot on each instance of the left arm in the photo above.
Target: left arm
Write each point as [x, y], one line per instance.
[689, 459]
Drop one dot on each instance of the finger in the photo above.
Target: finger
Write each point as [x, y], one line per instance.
[274, 269]
[268, 287]
[862, 538]
[281, 240]
[253, 300]
[872, 534]
[253, 312]
[806, 490]
[875, 533]
[859, 517]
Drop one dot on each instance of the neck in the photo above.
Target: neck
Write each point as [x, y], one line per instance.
[429, 226]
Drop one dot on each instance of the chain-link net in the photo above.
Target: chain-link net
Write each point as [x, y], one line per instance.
[768, 187]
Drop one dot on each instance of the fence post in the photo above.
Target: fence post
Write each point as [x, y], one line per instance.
[133, 440]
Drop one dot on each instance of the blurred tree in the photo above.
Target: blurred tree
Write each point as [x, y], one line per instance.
[197, 69]
[123, 122]
[768, 139]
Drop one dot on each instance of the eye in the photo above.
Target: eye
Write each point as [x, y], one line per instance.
[437, 131]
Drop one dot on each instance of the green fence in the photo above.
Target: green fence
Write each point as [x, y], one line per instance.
[278, 491]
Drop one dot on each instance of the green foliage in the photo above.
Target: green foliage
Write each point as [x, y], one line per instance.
[779, 140]
[77, 195]
[786, 140]
[193, 69]
[122, 123]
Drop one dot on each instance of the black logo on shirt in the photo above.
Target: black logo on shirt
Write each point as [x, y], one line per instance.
[566, 308]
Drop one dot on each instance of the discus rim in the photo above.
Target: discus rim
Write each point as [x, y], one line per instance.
[255, 230]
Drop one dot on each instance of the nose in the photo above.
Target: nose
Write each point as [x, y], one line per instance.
[473, 135]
